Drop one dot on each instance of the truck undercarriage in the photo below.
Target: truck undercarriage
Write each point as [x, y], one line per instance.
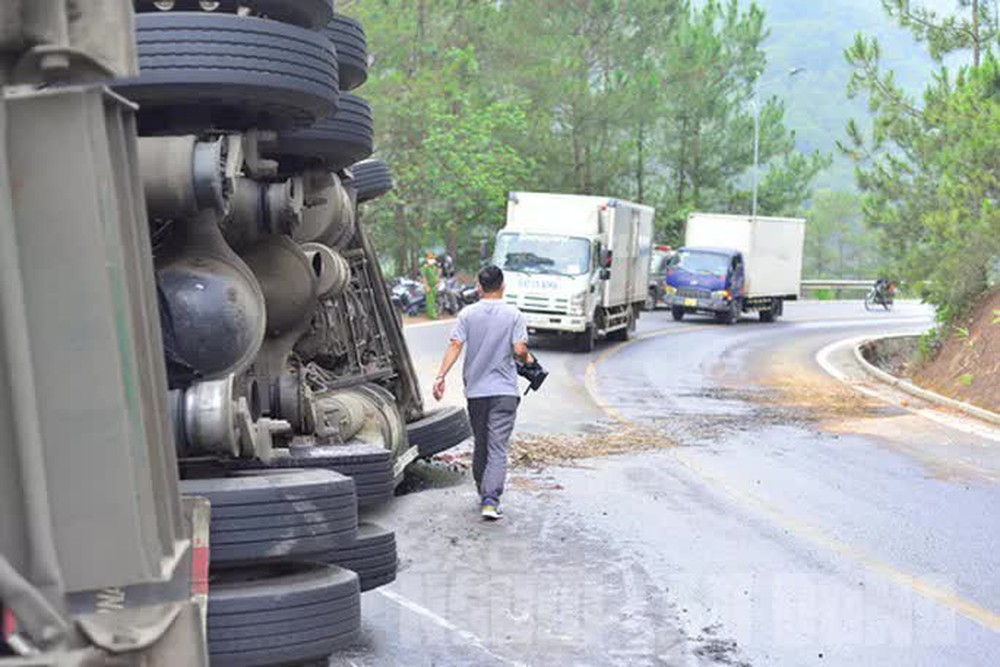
[204, 381]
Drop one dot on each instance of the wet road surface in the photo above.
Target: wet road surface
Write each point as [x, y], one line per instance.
[794, 521]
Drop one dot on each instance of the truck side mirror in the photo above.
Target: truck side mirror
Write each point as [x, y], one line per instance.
[606, 258]
[605, 274]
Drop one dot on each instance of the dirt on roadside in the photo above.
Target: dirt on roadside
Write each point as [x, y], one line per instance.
[537, 451]
[968, 365]
[819, 399]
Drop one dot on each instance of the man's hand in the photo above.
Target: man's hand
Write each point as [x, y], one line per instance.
[439, 388]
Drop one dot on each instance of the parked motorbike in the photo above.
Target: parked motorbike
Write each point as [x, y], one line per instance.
[470, 295]
[450, 295]
[408, 296]
[882, 293]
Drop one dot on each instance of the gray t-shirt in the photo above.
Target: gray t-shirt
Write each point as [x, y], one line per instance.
[489, 329]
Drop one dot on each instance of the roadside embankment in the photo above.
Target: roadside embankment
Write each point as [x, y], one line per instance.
[965, 365]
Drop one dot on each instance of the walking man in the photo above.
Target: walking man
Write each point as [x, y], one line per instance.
[493, 335]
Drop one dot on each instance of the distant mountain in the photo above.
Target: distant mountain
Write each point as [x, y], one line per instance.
[814, 34]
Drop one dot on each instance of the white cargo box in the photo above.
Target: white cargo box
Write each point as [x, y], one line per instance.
[771, 248]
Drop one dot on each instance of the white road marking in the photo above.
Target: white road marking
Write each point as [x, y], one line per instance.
[445, 624]
[965, 425]
[942, 596]
[431, 323]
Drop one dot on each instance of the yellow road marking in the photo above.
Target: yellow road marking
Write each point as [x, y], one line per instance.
[590, 375]
[937, 594]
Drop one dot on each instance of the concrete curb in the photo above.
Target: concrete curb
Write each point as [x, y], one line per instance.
[919, 392]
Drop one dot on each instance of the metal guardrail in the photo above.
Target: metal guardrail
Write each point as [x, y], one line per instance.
[837, 284]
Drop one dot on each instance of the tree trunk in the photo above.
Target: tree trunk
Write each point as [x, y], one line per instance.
[451, 242]
[639, 175]
[976, 43]
[401, 236]
[682, 163]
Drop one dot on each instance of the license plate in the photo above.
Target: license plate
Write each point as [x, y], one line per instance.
[691, 303]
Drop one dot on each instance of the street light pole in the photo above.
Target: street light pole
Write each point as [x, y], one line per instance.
[756, 136]
[756, 145]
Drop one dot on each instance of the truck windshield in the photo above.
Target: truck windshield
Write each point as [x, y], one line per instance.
[700, 261]
[540, 253]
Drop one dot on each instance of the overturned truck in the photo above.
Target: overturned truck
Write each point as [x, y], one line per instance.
[206, 385]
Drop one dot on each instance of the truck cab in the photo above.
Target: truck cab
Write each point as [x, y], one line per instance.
[704, 279]
[576, 265]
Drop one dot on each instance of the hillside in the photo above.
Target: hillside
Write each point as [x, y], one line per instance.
[814, 35]
[968, 365]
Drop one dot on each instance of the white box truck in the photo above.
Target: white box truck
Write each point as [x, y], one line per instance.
[576, 265]
[733, 264]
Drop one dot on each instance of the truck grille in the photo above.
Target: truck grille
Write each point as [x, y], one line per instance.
[538, 304]
[693, 293]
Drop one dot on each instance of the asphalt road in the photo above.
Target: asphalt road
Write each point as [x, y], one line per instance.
[794, 519]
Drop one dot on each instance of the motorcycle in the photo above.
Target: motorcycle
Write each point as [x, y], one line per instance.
[882, 293]
[408, 296]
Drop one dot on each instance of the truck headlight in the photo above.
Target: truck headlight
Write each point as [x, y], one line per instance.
[669, 289]
[720, 294]
[576, 303]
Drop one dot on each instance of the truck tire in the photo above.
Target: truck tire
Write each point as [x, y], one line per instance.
[370, 179]
[264, 516]
[310, 14]
[289, 614]
[200, 71]
[586, 341]
[677, 312]
[337, 141]
[348, 37]
[732, 315]
[372, 556]
[439, 430]
[772, 313]
[369, 465]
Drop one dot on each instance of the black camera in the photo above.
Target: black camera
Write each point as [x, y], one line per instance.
[533, 373]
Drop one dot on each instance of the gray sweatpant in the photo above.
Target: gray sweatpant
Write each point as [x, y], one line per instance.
[492, 420]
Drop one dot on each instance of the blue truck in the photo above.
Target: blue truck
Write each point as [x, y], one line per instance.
[730, 265]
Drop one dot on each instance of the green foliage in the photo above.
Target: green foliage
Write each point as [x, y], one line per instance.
[930, 173]
[966, 379]
[649, 100]
[824, 295]
[996, 317]
[928, 346]
[838, 245]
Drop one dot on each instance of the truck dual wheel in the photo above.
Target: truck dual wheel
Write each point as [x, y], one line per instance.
[677, 312]
[281, 615]
[772, 313]
[372, 556]
[348, 36]
[370, 179]
[369, 465]
[201, 70]
[263, 516]
[439, 430]
[337, 141]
